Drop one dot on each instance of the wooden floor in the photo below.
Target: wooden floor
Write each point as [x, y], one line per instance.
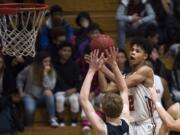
[53, 131]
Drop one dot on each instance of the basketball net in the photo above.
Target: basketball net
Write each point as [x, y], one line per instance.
[18, 31]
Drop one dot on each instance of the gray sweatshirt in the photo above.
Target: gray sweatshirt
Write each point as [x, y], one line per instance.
[25, 80]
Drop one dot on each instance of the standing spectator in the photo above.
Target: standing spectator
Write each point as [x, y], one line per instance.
[67, 84]
[133, 15]
[56, 19]
[35, 84]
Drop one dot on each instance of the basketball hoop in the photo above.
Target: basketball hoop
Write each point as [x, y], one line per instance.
[19, 25]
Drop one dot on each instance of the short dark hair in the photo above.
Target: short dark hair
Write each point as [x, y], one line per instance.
[112, 105]
[94, 27]
[57, 31]
[65, 44]
[151, 31]
[81, 15]
[142, 43]
[56, 8]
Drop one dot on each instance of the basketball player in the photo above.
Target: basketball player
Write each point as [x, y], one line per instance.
[169, 123]
[112, 104]
[138, 81]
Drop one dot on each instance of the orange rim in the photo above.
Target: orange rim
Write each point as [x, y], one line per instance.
[15, 7]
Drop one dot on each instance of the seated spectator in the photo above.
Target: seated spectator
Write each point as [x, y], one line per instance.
[173, 27]
[175, 81]
[122, 61]
[58, 36]
[133, 15]
[158, 67]
[166, 7]
[83, 20]
[82, 47]
[35, 84]
[17, 63]
[56, 19]
[68, 81]
[152, 35]
[9, 121]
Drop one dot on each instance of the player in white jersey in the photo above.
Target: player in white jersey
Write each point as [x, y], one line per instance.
[138, 82]
[171, 120]
[163, 96]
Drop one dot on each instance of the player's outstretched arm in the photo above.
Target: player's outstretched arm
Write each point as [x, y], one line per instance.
[95, 120]
[119, 80]
[168, 120]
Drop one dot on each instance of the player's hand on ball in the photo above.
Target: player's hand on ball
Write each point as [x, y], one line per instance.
[111, 54]
[95, 61]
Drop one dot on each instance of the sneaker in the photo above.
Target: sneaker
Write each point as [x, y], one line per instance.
[73, 124]
[62, 124]
[54, 122]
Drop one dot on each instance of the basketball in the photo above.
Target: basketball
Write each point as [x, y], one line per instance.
[101, 42]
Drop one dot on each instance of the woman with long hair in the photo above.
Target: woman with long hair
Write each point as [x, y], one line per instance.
[35, 84]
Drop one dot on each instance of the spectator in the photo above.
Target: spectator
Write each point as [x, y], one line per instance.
[83, 20]
[35, 84]
[158, 67]
[9, 121]
[175, 81]
[81, 48]
[68, 82]
[58, 36]
[56, 19]
[152, 35]
[17, 63]
[133, 15]
[173, 27]
[166, 7]
[122, 61]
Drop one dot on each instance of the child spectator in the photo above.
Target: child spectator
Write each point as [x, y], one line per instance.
[35, 84]
[67, 83]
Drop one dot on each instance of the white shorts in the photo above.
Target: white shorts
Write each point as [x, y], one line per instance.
[142, 128]
[158, 125]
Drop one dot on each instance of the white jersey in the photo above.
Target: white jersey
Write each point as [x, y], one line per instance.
[159, 87]
[159, 90]
[140, 104]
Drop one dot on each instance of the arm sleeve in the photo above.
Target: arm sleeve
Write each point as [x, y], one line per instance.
[120, 14]
[150, 14]
[21, 78]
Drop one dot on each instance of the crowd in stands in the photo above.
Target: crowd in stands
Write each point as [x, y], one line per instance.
[54, 77]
